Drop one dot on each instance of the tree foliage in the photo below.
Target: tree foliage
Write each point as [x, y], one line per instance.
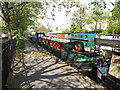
[91, 16]
[42, 29]
[114, 24]
[79, 17]
[75, 29]
[18, 16]
[25, 17]
[98, 14]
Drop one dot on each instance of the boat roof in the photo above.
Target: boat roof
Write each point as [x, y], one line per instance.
[63, 40]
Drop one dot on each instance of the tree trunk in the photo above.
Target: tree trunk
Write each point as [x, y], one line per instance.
[8, 29]
[118, 25]
[113, 31]
[6, 14]
[95, 26]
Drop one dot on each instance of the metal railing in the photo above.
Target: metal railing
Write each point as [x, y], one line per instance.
[8, 55]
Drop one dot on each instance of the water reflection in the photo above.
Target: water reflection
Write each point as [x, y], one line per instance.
[105, 50]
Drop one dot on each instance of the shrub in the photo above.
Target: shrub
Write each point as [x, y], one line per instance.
[19, 43]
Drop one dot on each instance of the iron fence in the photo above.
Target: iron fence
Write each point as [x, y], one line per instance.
[8, 54]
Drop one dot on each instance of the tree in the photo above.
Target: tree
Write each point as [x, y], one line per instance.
[42, 29]
[79, 17]
[18, 16]
[91, 16]
[56, 28]
[26, 17]
[6, 9]
[49, 26]
[97, 13]
[114, 25]
[66, 31]
[75, 29]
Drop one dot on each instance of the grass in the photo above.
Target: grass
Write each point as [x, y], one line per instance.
[42, 50]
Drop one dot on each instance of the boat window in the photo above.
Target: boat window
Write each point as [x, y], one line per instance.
[70, 46]
[78, 47]
[75, 35]
[85, 36]
[85, 44]
[117, 36]
[81, 36]
[46, 41]
[39, 35]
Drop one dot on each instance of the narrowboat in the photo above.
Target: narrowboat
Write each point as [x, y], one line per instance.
[72, 52]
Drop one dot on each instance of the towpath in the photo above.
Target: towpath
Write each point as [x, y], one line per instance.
[41, 71]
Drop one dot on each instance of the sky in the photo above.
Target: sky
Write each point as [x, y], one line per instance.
[63, 22]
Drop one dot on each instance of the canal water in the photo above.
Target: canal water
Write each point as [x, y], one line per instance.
[105, 50]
